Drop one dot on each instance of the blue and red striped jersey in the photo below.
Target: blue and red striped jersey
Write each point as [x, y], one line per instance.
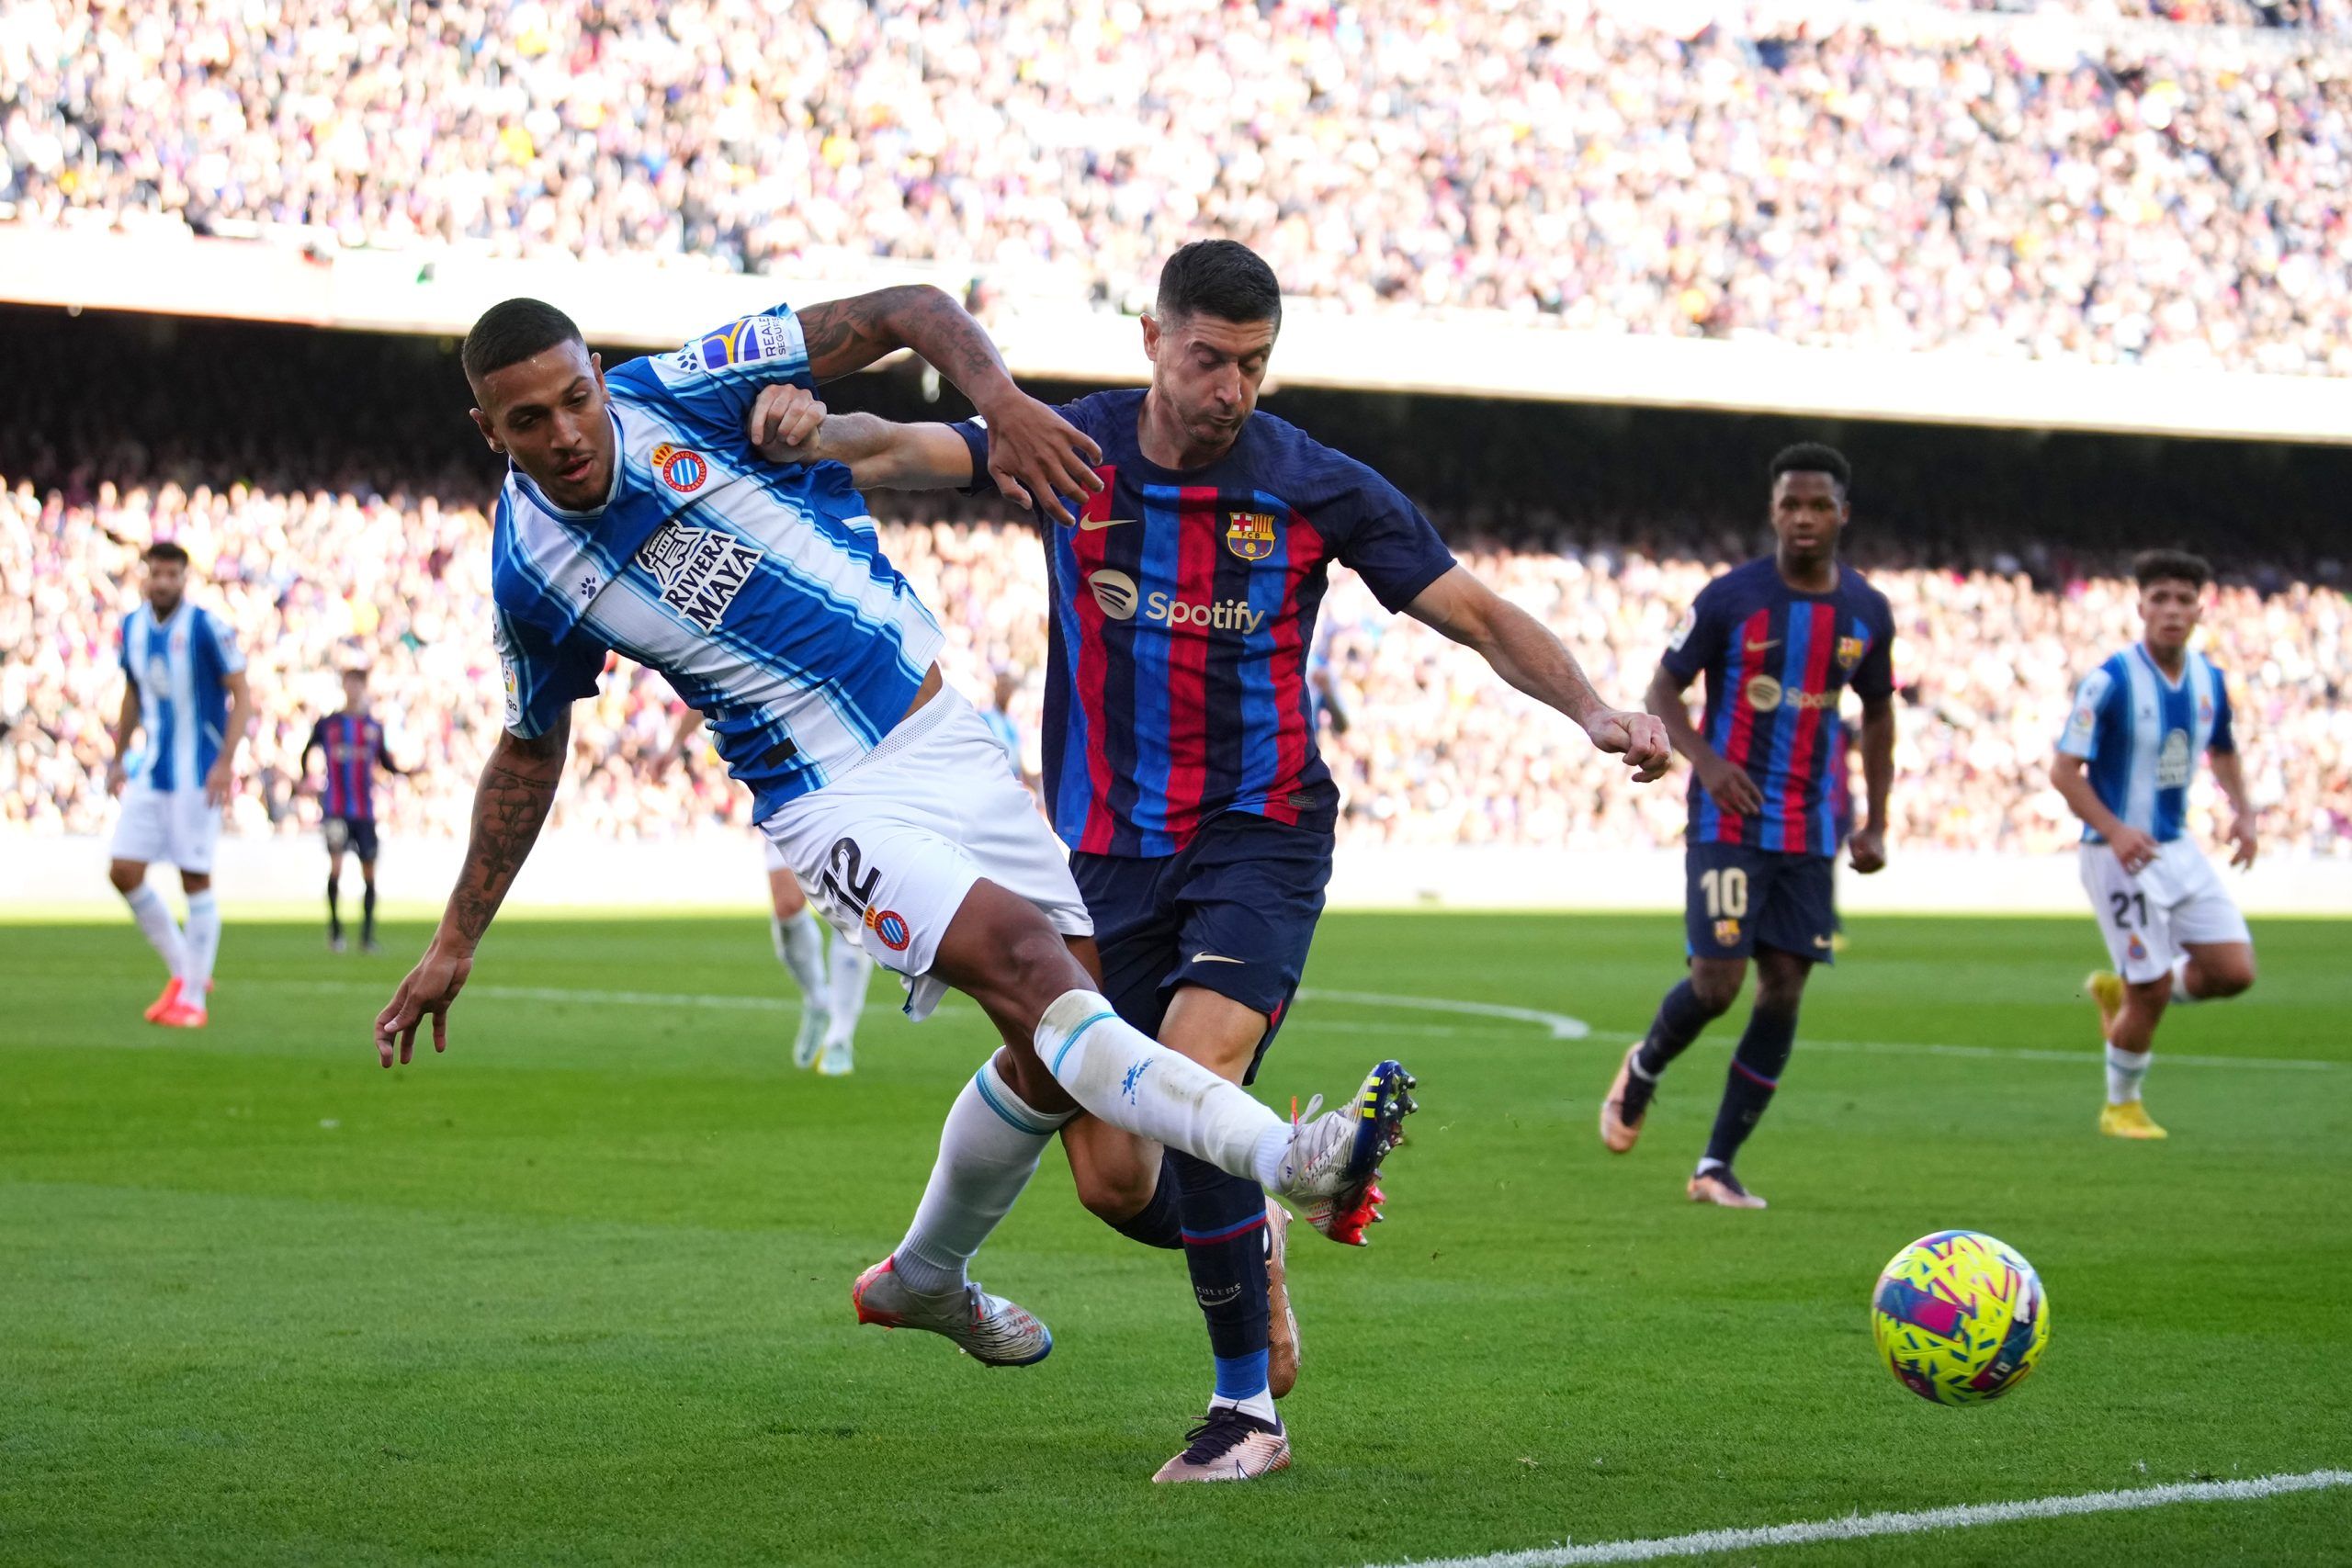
[1183, 612]
[1776, 662]
[353, 744]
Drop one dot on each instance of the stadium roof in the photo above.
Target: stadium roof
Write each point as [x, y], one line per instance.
[163, 268]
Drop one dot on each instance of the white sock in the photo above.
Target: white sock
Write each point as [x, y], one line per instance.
[801, 948]
[2180, 993]
[2124, 1071]
[155, 923]
[1261, 1404]
[203, 943]
[988, 1152]
[1139, 1086]
[846, 992]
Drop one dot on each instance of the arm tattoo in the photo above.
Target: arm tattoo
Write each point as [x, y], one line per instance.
[510, 804]
[843, 335]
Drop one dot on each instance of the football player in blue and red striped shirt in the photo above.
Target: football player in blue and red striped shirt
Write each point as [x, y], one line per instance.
[1180, 759]
[353, 742]
[1779, 641]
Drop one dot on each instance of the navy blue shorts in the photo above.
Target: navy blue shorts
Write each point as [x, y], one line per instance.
[357, 834]
[1740, 898]
[1233, 912]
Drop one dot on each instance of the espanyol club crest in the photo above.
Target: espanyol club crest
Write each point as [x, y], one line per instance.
[1249, 535]
[681, 469]
[1849, 651]
[891, 927]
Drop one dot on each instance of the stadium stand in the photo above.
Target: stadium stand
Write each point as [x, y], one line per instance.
[358, 535]
[2147, 195]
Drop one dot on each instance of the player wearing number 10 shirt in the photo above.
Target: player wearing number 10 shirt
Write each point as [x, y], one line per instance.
[1779, 641]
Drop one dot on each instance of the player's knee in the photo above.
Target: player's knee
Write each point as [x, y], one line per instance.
[126, 875]
[1714, 990]
[2230, 976]
[1115, 1196]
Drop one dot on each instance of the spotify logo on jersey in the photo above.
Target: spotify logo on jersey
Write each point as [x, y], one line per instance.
[1115, 593]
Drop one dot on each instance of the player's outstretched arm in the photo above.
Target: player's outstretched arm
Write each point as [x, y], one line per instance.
[2132, 847]
[1523, 651]
[1034, 454]
[1868, 846]
[2229, 771]
[1727, 783]
[223, 776]
[126, 725]
[518, 785]
[789, 425]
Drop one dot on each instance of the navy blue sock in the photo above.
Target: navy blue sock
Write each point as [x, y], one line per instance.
[1679, 1019]
[1160, 1223]
[367, 912]
[334, 907]
[1225, 1246]
[1756, 1069]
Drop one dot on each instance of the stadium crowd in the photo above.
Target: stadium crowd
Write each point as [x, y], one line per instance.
[2169, 200]
[1433, 749]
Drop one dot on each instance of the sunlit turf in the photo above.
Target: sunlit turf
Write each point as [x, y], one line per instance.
[578, 1290]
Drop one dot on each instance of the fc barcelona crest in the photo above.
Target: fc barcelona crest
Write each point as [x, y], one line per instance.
[1849, 651]
[1249, 535]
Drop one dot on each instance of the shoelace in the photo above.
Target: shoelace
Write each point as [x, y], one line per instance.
[1224, 1427]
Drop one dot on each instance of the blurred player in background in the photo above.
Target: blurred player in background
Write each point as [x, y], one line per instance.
[833, 974]
[637, 517]
[1181, 762]
[184, 693]
[2125, 762]
[352, 741]
[998, 719]
[1780, 640]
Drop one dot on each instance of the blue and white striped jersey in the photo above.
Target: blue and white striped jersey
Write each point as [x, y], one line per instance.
[757, 588]
[180, 668]
[2141, 735]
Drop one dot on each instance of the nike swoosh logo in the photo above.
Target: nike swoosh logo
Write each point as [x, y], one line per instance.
[1821, 941]
[1216, 958]
[1093, 524]
[1762, 646]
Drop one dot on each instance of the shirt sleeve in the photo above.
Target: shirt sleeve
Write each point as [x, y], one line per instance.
[1392, 546]
[543, 677]
[225, 652]
[714, 378]
[122, 645]
[1876, 676]
[2223, 739]
[1698, 640]
[2080, 738]
[317, 741]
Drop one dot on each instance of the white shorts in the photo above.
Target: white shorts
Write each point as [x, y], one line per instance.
[773, 856]
[888, 851]
[178, 826]
[2149, 918]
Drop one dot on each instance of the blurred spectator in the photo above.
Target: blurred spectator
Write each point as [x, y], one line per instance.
[2174, 198]
[1437, 752]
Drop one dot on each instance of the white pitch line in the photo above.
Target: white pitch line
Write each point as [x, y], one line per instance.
[1562, 1026]
[1922, 1521]
[2029, 1053]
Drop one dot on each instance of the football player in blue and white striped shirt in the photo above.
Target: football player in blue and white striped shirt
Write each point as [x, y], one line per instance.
[636, 516]
[185, 692]
[2125, 762]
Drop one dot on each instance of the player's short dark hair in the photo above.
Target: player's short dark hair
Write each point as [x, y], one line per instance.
[1223, 279]
[166, 550]
[1813, 457]
[2152, 567]
[512, 331]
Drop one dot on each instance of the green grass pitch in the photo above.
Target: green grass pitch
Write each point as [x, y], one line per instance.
[578, 1290]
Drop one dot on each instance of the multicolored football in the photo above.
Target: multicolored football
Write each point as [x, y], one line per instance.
[1960, 1318]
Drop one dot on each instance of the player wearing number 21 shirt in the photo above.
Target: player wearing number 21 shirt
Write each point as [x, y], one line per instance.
[1779, 641]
